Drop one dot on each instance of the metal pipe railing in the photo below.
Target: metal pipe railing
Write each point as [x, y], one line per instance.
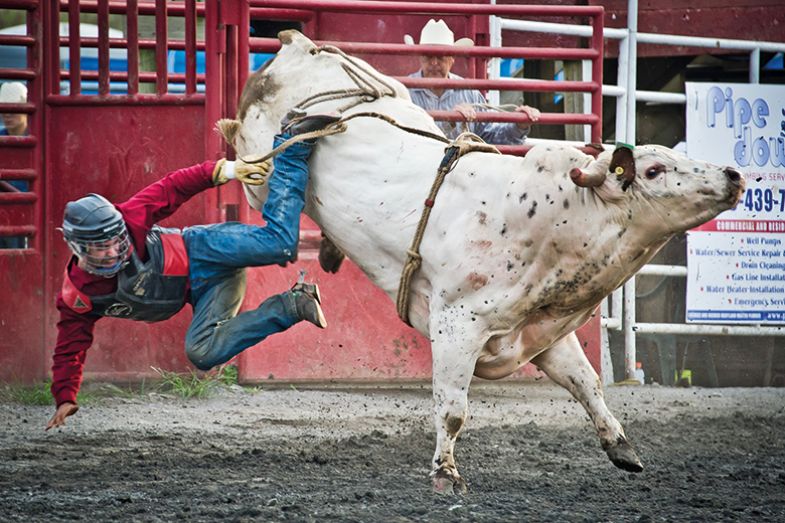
[132, 30]
[103, 47]
[362, 6]
[649, 38]
[74, 51]
[143, 8]
[272, 45]
[161, 73]
[162, 10]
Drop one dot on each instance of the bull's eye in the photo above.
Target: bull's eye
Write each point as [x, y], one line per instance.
[654, 171]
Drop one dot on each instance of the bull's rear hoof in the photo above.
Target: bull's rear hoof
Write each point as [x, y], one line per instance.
[330, 257]
[447, 484]
[623, 456]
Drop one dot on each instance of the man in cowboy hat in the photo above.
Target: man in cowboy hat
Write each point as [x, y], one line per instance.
[465, 101]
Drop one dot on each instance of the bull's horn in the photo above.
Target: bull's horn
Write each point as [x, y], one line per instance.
[582, 178]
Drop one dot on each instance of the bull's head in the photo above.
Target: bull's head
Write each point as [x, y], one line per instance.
[684, 193]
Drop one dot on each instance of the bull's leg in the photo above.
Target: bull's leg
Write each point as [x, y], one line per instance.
[456, 343]
[566, 364]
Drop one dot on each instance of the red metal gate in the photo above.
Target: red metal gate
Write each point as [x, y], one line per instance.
[114, 143]
[99, 141]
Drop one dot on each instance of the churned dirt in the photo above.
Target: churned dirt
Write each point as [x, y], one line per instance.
[362, 454]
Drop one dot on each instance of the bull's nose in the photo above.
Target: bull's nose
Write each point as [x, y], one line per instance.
[733, 175]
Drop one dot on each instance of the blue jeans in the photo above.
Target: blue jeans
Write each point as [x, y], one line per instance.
[218, 255]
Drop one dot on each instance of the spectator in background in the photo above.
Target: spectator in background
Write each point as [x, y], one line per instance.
[15, 124]
[465, 101]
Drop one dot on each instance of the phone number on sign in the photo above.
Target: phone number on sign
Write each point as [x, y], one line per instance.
[764, 200]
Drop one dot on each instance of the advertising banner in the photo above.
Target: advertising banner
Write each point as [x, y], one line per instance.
[736, 262]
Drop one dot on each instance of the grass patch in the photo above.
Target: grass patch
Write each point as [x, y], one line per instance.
[196, 384]
[36, 395]
[188, 385]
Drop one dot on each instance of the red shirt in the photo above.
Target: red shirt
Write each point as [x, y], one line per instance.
[146, 208]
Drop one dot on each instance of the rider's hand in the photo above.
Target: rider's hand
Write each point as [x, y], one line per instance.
[467, 111]
[246, 172]
[252, 173]
[63, 411]
[531, 112]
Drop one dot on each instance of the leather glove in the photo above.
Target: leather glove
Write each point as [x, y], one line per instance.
[247, 173]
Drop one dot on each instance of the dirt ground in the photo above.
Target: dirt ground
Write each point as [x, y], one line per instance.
[362, 454]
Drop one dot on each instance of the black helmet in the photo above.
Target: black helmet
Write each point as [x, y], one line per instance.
[95, 231]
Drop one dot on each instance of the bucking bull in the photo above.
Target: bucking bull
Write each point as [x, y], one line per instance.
[517, 253]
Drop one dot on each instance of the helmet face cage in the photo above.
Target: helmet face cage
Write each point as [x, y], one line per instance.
[104, 256]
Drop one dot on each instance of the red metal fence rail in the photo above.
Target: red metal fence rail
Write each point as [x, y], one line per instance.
[306, 10]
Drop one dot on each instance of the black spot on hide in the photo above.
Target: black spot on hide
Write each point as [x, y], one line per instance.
[504, 229]
[540, 169]
[533, 210]
[566, 204]
[509, 265]
[522, 197]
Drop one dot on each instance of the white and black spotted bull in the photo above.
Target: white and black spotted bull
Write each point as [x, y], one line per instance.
[518, 252]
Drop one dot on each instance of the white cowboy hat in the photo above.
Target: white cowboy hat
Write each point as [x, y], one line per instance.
[13, 93]
[437, 33]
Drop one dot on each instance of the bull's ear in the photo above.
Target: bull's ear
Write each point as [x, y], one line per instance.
[623, 164]
[228, 129]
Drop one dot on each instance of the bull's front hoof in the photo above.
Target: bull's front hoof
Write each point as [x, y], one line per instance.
[448, 484]
[623, 456]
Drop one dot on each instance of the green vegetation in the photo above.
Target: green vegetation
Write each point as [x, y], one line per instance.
[197, 384]
[185, 385]
[37, 394]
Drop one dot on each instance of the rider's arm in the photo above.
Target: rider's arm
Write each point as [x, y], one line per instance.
[162, 198]
[74, 337]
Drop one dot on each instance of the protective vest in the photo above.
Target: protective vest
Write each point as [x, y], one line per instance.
[151, 291]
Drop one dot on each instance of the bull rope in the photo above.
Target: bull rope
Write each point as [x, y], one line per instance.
[463, 144]
[367, 92]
